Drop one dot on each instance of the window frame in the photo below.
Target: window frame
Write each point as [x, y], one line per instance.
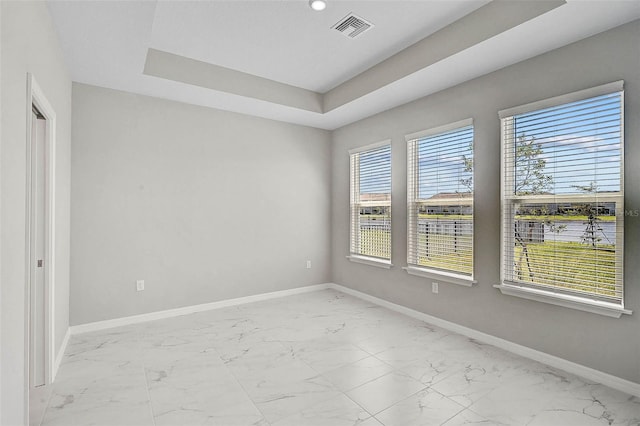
[354, 213]
[509, 201]
[449, 276]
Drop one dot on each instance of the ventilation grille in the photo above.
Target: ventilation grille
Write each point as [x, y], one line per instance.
[352, 26]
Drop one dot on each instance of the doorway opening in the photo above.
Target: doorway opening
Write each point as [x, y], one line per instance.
[37, 281]
[40, 241]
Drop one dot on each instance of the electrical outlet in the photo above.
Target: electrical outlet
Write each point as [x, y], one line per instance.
[434, 288]
[308, 264]
[140, 285]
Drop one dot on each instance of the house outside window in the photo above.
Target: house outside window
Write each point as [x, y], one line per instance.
[440, 202]
[370, 204]
[563, 200]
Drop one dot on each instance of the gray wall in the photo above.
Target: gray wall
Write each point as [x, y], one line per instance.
[29, 44]
[606, 344]
[202, 204]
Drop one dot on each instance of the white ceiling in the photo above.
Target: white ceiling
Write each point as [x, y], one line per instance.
[288, 42]
[106, 42]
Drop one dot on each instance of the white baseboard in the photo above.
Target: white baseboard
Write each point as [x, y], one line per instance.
[151, 316]
[545, 358]
[551, 360]
[60, 355]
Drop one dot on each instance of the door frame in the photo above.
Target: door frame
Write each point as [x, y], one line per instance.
[37, 98]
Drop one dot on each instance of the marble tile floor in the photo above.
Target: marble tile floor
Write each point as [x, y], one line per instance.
[315, 359]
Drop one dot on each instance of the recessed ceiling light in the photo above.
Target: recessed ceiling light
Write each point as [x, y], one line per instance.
[317, 5]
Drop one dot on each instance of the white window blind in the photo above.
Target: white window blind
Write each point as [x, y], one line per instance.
[371, 201]
[440, 199]
[563, 195]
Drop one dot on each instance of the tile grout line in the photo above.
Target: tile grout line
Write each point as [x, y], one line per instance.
[366, 411]
[241, 386]
[455, 415]
[404, 373]
[395, 403]
[374, 379]
[327, 340]
[146, 379]
[463, 408]
[328, 398]
[317, 375]
[399, 371]
[393, 370]
[44, 412]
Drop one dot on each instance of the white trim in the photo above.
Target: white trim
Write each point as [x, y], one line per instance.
[414, 202]
[448, 277]
[566, 300]
[588, 373]
[1, 126]
[551, 360]
[61, 351]
[510, 201]
[36, 96]
[440, 129]
[564, 198]
[620, 204]
[592, 92]
[371, 261]
[169, 313]
[505, 182]
[370, 147]
[28, 274]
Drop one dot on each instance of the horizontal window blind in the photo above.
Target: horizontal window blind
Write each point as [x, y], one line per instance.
[371, 202]
[440, 200]
[563, 198]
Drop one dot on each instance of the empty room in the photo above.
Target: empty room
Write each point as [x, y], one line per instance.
[320, 212]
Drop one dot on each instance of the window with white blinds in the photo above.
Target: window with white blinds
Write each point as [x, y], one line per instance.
[370, 178]
[563, 195]
[440, 199]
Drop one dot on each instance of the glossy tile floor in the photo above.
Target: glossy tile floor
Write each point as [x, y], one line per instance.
[321, 358]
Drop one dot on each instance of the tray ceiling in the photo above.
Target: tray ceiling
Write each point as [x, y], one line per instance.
[284, 61]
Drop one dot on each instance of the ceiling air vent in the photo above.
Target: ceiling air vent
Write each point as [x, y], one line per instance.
[352, 26]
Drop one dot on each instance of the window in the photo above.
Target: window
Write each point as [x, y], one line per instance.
[440, 202]
[563, 199]
[370, 177]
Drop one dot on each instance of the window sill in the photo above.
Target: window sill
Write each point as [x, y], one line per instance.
[567, 301]
[448, 277]
[371, 261]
